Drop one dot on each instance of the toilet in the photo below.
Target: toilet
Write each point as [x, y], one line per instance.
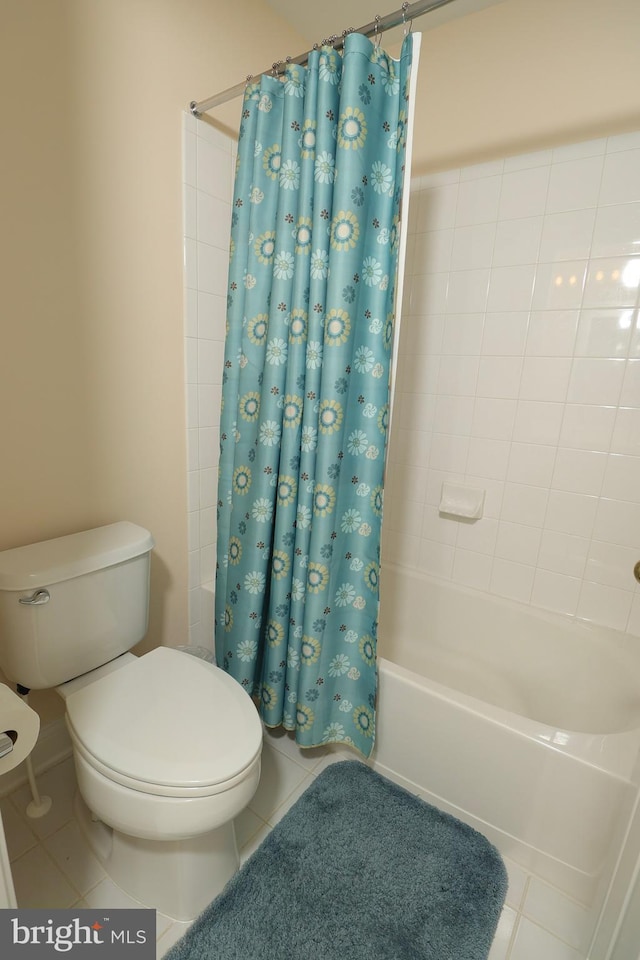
[166, 746]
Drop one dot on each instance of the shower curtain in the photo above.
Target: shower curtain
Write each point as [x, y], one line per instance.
[305, 408]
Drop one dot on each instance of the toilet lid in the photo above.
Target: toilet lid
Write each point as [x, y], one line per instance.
[168, 718]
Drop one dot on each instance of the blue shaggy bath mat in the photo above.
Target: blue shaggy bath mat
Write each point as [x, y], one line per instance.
[358, 869]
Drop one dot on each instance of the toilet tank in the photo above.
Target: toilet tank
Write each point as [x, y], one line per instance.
[71, 604]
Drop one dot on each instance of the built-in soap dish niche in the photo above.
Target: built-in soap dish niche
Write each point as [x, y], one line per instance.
[461, 501]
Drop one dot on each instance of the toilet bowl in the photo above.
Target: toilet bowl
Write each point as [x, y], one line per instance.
[167, 753]
[166, 746]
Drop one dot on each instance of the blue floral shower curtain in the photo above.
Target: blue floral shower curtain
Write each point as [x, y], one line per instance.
[314, 250]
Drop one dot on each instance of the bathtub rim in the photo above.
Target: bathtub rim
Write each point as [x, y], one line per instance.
[620, 760]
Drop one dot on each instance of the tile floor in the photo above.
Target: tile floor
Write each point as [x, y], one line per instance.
[52, 866]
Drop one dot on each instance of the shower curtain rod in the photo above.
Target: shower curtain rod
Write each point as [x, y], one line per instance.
[407, 14]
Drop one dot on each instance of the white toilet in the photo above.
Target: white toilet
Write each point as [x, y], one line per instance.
[166, 746]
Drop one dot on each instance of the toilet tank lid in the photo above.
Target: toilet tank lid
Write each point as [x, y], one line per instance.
[51, 561]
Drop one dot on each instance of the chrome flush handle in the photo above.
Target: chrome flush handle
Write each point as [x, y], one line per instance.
[38, 598]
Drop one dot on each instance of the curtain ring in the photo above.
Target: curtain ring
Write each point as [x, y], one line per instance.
[407, 30]
[274, 68]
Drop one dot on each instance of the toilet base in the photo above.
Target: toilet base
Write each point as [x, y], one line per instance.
[178, 878]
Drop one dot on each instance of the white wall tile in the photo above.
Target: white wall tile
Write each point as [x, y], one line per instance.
[567, 236]
[554, 591]
[618, 521]
[523, 161]
[438, 207]
[563, 553]
[190, 263]
[574, 184]
[499, 377]
[210, 360]
[477, 171]
[462, 334]
[209, 444]
[630, 395]
[493, 419]
[511, 288]
[612, 282]
[213, 268]
[538, 422]
[621, 177]
[467, 291]
[473, 246]
[518, 542]
[559, 285]
[209, 399]
[488, 458]
[190, 305]
[454, 414]
[214, 170]
[622, 478]
[512, 580]
[587, 428]
[595, 381]
[472, 569]
[526, 360]
[458, 376]
[517, 241]
[438, 527]
[604, 332]
[478, 535]
[579, 471]
[611, 565]
[478, 201]
[531, 463]
[191, 359]
[608, 606]
[623, 141]
[436, 558]
[188, 157]
[633, 623]
[617, 230]
[189, 212]
[448, 452]
[576, 151]
[214, 220]
[525, 504]
[571, 513]
[626, 433]
[505, 334]
[545, 378]
[523, 193]
[212, 316]
[428, 293]
[432, 252]
[552, 333]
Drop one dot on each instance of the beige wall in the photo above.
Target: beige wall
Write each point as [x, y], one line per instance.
[91, 356]
[523, 75]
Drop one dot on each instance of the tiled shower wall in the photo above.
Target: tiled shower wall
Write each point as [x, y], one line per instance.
[208, 167]
[519, 373]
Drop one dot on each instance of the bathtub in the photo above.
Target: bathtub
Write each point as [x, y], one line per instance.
[525, 725]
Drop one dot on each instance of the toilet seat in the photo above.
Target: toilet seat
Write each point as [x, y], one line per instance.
[167, 724]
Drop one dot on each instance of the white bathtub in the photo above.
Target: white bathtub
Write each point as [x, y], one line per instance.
[523, 724]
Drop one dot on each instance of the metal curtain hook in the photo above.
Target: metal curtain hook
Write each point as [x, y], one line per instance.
[377, 37]
[407, 27]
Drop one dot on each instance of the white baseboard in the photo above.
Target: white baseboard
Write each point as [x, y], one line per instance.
[53, 746]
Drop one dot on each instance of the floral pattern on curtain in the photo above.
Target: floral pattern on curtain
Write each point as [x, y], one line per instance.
[314, 250]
